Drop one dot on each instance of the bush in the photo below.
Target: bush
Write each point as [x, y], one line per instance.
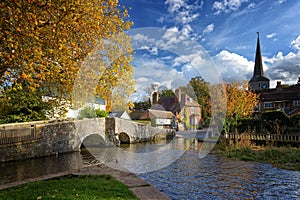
[249, 125]
[87, 112]
[295, 120]
[276, 122]
[101, 113]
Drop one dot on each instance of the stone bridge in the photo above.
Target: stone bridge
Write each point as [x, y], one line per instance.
[35, 139]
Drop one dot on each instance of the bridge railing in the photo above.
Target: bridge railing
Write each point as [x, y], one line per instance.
[12, 135]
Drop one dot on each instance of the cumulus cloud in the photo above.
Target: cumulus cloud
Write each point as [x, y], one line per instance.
[183, 12]
[296, 43]
[209, 28]
[233, 67]
[285, 68]
[227, 6]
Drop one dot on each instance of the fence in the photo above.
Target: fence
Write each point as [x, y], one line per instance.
[265, 137]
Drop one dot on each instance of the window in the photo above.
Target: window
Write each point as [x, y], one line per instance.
[296, 103]
[192, 110]
[269, 105]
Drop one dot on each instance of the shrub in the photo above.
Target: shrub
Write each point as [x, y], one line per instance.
[276, 121]
[295, 120]
[87, 112]
[101, 113]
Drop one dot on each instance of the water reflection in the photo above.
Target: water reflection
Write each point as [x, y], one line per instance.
[31, 168]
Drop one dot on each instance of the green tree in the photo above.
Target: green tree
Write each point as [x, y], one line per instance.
[166, 93]
[201, 90]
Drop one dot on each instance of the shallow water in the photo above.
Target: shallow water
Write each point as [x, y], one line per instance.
[189, 177]
[216, 177]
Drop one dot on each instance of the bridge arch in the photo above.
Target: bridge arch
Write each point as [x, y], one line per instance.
[124, 138]
[93, 140]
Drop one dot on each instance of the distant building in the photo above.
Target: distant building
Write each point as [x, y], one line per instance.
[159, 118]
[121, 114]
[284, 98]
[182, 106]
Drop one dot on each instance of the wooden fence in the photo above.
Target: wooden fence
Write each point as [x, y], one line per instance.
[265, 137]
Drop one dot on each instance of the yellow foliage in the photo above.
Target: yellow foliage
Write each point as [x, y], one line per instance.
[46, 42]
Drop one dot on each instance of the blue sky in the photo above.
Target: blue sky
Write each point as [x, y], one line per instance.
[226, 29]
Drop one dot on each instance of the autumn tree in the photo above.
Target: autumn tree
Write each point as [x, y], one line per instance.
[240, 103]
[43, 45]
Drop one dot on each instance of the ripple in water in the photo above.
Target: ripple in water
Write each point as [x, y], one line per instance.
[215, 177]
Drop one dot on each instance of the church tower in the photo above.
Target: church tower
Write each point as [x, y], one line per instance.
[258, 80]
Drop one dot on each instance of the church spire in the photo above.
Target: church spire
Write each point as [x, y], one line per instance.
[258, 67]
[258, 81]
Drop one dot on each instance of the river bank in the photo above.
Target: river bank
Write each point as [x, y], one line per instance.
[126, 182]
[281, 157]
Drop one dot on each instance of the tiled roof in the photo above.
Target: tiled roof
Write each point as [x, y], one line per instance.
[160, 114]
[283, 94]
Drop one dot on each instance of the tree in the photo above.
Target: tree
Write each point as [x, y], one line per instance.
[240, 103]
[44, 43]
[201, 90]
[166, 93]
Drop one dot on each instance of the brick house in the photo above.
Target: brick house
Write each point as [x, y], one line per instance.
[182, 106]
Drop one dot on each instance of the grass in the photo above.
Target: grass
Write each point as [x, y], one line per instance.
[83, 187]
[282, 157]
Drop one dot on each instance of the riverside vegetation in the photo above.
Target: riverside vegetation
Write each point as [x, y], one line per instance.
[71, 187]
[282, 157]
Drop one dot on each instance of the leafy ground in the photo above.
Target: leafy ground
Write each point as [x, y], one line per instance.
[84, 187]
[282, 157]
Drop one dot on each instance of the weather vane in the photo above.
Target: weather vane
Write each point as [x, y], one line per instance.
[257, 34]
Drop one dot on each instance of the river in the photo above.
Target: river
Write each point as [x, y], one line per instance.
[189, 177]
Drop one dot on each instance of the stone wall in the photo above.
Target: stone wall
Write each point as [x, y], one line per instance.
[29, 140]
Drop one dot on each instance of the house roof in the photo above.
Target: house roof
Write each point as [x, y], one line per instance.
[119, 114]
[281, 94]
[159, 114]
[137, 114]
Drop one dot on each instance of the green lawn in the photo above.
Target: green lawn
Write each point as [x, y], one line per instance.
[71, 187]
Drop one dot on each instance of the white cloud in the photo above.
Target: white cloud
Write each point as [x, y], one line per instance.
[280, 1]
[271, 35]
[296, 43]
[182, 12]
[227, 6]
[209, 28]
[233, 67]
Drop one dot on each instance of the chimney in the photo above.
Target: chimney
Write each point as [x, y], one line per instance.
[178, 94]
[155, 98]
[279, 86]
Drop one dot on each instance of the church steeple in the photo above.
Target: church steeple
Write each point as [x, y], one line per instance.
[258, 81]
[258, 67]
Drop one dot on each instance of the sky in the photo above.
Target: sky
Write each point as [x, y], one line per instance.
[175, 40]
